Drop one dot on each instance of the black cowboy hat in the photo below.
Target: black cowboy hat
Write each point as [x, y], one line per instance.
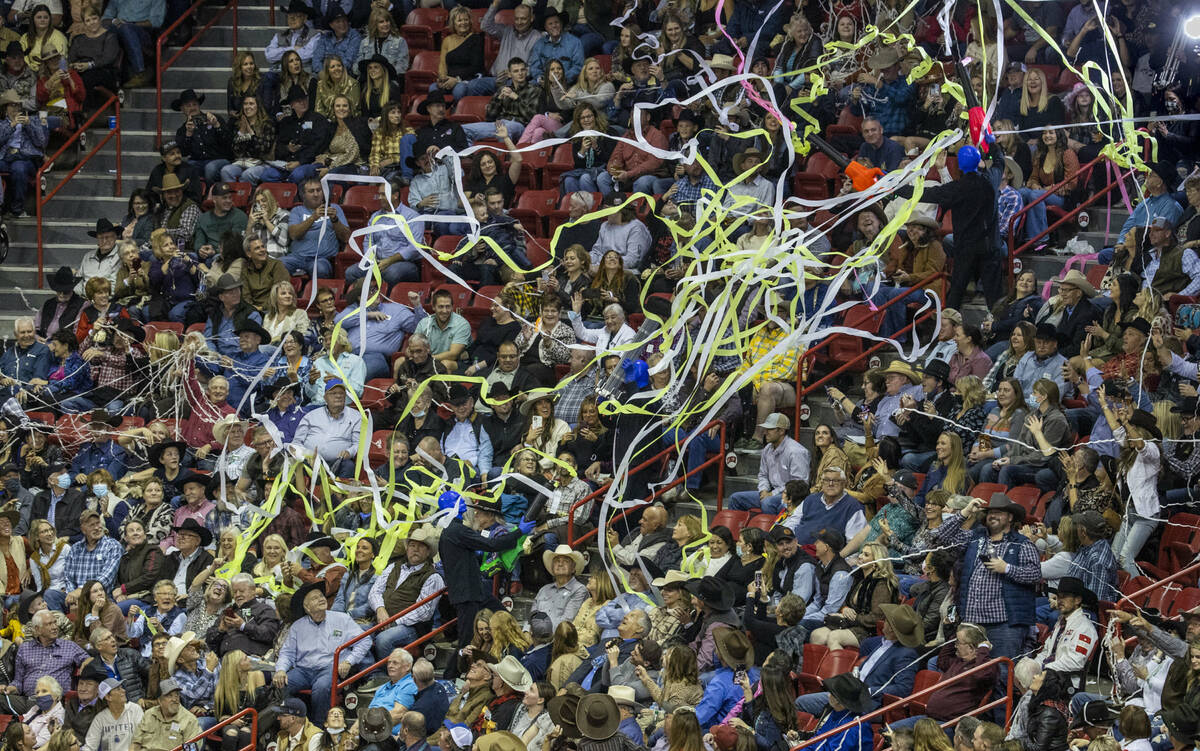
[251, 325]
[187, 95]
[1189, 407]
[486, 504]
[712, 591]
[1001, 502]
[564, 18]
[1166, 171]
[195, 527]
[939, 369]
[1138, 324]
[376, 58]
[438, 97]
[336, 12]
[1146, 421]
[562, 709]
[850, 691]
[321, 540]
[1046, 331]
[105, 417]
[63, 279]
[104, 225]
[295, 6]
[296, 93]
[1072, 585]
[154, 455]
[298, 597]
[419, 149]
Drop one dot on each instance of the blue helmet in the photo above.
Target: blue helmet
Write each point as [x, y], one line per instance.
[968, 158]
[451, 500]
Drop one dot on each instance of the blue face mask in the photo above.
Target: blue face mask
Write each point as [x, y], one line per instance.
[12, 485]
[44, 702]
[100, 489]
[64, 480]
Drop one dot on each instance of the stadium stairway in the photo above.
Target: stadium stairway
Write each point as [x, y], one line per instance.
[89, 195]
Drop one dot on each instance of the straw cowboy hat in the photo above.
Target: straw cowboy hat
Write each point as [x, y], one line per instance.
[177, 644]
[1075, 278]
[924, 219]
[624, 696]
[170, 181]
[566, 551]
[885, 58]
[905, 623]
[899, 367]
[423, 534]
[501, 740]
[513, 673]
[221, 428]
[674, 576]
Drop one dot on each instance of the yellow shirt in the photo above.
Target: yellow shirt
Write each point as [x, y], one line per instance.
[782, 368]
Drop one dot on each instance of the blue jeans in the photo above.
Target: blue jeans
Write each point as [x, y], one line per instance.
[1132, 535]
[1023, 474]
[212, 169]
[265, 173]
[298, 265]
[1035, 218]
[396, 635]
[917, 461]
[406, 150]
[178, 311]
[55, 600]
[400, 271]
[479, 86]
[581, 179]
[748, 499]
[377, 365]
[906, 582]
[132, 38]
[479, 131]
[320, 681]
[79, 404]
[697, 451]
[22, 171]
[895, 317]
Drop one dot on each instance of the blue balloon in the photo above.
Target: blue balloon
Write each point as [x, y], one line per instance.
[968, 158]
[452, 500]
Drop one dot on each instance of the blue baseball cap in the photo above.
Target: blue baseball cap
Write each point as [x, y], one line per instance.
[333, 383]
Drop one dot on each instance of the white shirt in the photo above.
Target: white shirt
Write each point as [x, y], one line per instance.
[108, 733]
[865, 669]
[1142, 478]
[601, 337]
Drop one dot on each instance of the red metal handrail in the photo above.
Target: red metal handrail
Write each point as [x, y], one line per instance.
[803, 391]
[1180, 574]
[338, 684]
[38, 180]
[718, 458]
[1006, 700]
[163, 65]
[208, 734]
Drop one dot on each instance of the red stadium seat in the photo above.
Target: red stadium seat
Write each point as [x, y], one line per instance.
[470, 109]
[532, 206]
[284, 193]
[1027, 497]
[462, 297]
[734, 521]
[762, 521]
[984, 490]
[423, 71]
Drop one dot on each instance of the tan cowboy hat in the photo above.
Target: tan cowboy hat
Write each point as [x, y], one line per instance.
[722, 62]
[624, 696]
[674, 576]
[1075, 278]
[734, 647]
[563, 550]
[171, 182]
[8, 96]
[221, 428]
[598, 717]
[501, 740]
[424, 533]
[740, 159]
[513, 673]
[176, 645]
[885, 58]
[1018, 174]
[526, 407]
[904, 621]
[899, 367]
[924, 219]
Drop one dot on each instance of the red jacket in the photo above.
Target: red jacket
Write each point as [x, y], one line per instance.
[633, 160]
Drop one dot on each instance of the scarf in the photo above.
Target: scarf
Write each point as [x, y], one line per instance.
[44, 568]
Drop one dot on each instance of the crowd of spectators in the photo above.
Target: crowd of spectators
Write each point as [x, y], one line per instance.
[177, 548]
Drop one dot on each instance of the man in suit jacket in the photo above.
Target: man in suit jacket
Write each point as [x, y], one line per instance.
[888, 664]
[1076, 293]
[60, 504]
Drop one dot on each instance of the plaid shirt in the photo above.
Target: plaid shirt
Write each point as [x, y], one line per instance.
[384, 148]
[984, 601]
[889, 104]
[1096, 566]
[112, 369]
[58, 661]
[1007, 204]
[100, 563]
[782, 368]
[196, 689]
[571, 396]
[687, 194]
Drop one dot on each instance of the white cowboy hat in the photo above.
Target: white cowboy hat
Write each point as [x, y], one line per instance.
[176, 645]
[563, 550]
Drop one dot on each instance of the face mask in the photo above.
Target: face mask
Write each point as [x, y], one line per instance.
[335, 732]
[100, 490]
[13, 485]
[740, 551]
[44, 702]
[1172, 105]
[416, 413]
[64, 480]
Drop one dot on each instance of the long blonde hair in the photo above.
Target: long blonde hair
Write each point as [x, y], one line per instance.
[1026, 105]
[227, 695]
[956, 466]
[970, 388]
[506, 632]
[881, 564]
[377, 15]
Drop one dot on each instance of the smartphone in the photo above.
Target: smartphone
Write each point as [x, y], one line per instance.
[758, 579]
[230, 612]
[536, 422]
[738, 677]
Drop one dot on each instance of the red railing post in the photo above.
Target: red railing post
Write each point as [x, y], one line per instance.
[163, 65]
[41, 197]
[803, 391]
[718, 458]
[250, 712]
[337, 684]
